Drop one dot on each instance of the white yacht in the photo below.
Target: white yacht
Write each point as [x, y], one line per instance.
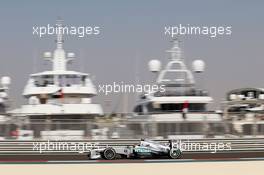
[244, 111]
[59, 95]
[180, 110]
[4, 88]
[4, 104]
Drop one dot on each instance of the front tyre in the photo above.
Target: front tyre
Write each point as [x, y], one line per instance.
[109, 154]
[175, 154]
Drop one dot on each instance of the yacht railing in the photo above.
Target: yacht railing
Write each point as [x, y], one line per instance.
[120, 126]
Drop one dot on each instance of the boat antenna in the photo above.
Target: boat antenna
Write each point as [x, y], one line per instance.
[175, 51]
[59, 31]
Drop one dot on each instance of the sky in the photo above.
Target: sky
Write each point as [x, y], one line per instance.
[131, 34]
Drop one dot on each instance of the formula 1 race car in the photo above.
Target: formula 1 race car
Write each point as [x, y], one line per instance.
[145, 149]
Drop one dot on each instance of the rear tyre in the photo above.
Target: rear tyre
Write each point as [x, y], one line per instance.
[175, 154]
[109, 154]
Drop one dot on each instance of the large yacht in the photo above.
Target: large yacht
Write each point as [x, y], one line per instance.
[4, 104]
[180, 110]
[244, 111]
[58, 96]
[4, 88]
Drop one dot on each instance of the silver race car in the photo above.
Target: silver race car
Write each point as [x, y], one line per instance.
[145, 149]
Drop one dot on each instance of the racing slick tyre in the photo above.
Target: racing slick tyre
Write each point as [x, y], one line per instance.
[175, 154]
[109, 154]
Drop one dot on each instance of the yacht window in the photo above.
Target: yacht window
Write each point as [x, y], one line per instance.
[69, 80]
[83, 80]
[44, 80]
[138, 109]
[193, 107]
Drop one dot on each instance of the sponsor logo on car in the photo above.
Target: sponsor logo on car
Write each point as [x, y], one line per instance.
[142, 150]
